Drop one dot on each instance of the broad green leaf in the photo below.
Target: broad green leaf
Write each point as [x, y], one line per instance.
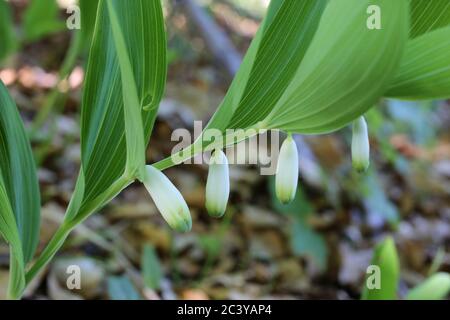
[385, 260]
[262, 79]
[19, 192]
[103, 145]
[270, 62]
[18, 173]
[425, 68]
[434, 288]
[88, 10]
[279, 54]
[121, 288]
[151, 268]
[41, 19]
[346, 69]
[305, 241]
[428, 15]
[7, 37]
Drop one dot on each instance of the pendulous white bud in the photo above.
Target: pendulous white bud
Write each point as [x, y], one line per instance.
[168, 200]
[360, 145]
[286, 178]
[218, 184]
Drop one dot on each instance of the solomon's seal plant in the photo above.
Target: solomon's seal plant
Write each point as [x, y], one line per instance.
[314, 67]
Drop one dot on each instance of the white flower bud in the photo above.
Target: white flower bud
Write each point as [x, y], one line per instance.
[287, 171]
[168, 200]
[360, 145]
[218, 184]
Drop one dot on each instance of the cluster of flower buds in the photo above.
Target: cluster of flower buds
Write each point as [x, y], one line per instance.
[360, 145]
[175, 211]
[171, 203]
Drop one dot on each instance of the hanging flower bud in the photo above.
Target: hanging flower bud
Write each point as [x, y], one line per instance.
[360, 145]
[287, 171]
[218, 185]
[168, 200]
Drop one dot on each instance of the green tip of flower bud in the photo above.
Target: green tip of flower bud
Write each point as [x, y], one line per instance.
[360, 146]
[168, 200]
[218, 185]
[286, 178]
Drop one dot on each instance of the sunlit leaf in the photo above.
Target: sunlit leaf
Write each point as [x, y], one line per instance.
[425, 68]
[385, 259]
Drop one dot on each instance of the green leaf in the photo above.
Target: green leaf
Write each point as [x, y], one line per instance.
[386, 259]
[425, 68]
[41, 19]
[121, 288]
[151, 268]
[307, 242]
[428, 15]
[261, 79]
[18, 172]
[436, 287]
[103, 128]
[7, 43]
[346, 69]
[9, 231]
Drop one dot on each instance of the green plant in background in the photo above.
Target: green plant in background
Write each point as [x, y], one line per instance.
[314, 67]
[385, 258]
[7, 45]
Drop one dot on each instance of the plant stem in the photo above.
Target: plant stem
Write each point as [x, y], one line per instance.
[67, 226]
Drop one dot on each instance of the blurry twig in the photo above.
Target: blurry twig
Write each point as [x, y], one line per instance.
[215, 38]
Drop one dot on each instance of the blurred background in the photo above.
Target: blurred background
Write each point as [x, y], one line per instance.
[318, 247]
